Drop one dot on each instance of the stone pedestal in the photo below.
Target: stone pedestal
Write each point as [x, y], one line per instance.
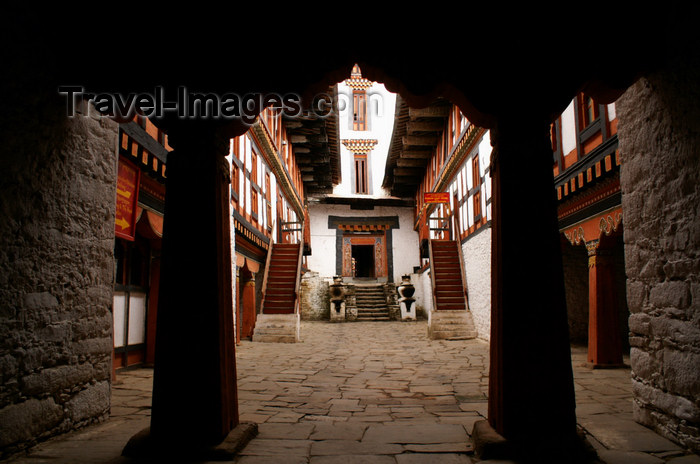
[337, 297]
[408, 309]
[337, 311]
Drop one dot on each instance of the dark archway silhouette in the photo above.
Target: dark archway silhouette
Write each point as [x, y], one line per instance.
[491, 85]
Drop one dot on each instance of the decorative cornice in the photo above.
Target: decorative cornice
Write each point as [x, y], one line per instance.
[282, 175]
[455, 160]
[605, 188]
[360, 145]
[358, 83]
[592, 229]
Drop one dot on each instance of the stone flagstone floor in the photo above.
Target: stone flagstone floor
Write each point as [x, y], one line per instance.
[369, 392]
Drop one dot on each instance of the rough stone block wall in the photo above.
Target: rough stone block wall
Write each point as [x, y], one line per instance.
[477, 269]
[659, 135]
[57, 203]
[315, 297]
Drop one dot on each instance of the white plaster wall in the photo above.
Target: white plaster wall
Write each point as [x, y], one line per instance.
[323, 240]
[477, 268]
[568, 129]
[424, 293]
[381, 105]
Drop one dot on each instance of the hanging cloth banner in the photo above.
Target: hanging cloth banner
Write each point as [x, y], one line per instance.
[127, 197]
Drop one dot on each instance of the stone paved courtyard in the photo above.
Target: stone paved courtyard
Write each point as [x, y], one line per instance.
[370, 392]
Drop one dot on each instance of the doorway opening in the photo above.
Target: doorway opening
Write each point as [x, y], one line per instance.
[363, 261]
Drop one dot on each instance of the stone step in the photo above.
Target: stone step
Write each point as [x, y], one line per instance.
[451, 325]
[370, 313]
[276, 328]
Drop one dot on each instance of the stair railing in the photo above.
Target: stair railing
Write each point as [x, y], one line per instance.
[267, 272]
[432, 273]
[297, 284]
[465, 289]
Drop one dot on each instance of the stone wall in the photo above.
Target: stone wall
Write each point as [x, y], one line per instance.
[659, 135]
[477, 269]
[57, 205]
[315, 299]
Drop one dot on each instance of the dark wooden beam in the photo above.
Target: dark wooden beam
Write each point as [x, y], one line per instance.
[424, 126]
[408, 172]
[430, 112]
[418, 154]
[411, 162]
[422, 140]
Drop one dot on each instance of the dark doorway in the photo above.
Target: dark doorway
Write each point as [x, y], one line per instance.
[363, 258]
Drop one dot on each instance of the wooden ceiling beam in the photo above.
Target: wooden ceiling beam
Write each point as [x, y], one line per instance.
[441, 111]
[424, 126]
[420, 140]
[408, 172]
[411, 162]
[416, 154]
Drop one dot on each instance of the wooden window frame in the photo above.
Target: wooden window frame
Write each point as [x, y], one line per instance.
[476, 186]
[254, 203]
[588, 110]
[254, 167]
[235, 181]
[361, 176]
[359, 110]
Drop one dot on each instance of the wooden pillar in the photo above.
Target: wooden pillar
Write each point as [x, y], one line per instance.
[531, 392]
[604, 342]
[195, 401]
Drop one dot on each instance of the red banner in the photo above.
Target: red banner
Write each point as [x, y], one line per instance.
[436, 197]
[127, 196]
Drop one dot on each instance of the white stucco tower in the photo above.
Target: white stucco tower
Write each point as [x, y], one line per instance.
[359, 231]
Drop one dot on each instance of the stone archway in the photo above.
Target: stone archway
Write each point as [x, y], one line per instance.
[415, 75]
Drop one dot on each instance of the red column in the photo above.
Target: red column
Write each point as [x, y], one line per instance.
[194, 388]
[604, 342]
[531, 392]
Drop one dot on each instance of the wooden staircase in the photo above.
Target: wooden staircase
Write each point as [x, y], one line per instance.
[450, 317]
[447, 276]
[371, 303]
[282, 271]
[279, 320]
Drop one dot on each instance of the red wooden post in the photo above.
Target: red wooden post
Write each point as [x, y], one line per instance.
[604, 342]
[194, 389]
[531, 392]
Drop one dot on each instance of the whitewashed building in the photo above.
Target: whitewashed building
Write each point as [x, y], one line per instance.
[360, 231]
